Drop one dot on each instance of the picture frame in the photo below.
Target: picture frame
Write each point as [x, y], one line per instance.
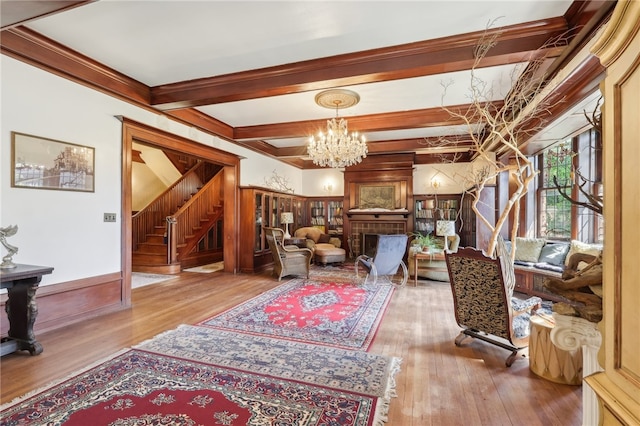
[377, 197]
[43, 163]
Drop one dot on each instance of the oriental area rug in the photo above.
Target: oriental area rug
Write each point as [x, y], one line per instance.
[330, 308]
[200, 376]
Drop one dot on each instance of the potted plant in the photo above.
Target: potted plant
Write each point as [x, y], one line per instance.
[425, 241]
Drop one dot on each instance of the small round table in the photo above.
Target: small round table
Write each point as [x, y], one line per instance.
[547, 360]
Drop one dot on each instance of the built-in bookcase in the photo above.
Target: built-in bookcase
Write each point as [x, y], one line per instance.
[428, 209]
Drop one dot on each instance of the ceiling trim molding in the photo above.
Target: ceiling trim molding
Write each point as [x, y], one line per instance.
[35, 49]
[16, 13]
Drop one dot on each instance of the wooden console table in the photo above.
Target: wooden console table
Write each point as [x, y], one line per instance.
[427, 256]
[21, 283]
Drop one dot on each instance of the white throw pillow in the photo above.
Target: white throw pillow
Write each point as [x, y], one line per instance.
[580, 247]
[528, 249]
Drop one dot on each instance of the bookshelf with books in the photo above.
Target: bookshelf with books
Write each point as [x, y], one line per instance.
[326, 214]
[428, 209]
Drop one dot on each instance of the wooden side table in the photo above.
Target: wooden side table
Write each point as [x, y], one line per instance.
[439, 255]
[22, 283]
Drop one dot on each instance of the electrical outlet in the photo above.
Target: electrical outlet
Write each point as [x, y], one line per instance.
[109, 217]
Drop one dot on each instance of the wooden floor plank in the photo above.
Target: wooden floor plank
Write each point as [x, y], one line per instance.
[439, 383]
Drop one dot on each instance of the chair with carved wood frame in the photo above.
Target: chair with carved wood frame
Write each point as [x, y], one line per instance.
[483, 299]
[287, 260]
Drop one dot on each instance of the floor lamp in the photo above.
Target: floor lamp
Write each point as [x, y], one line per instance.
[445, 228]
[286, 218]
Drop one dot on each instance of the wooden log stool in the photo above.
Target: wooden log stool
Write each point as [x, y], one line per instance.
[547, 360]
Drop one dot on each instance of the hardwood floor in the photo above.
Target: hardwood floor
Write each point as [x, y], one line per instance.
[439, 383]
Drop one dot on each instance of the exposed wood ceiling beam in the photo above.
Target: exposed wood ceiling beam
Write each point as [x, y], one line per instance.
[420, 118]
[377, 147]
[515, 43]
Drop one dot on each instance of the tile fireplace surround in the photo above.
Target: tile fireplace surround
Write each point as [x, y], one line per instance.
[359, 229]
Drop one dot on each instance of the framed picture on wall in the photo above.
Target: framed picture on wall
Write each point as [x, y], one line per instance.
[377, 197]
[43, 163]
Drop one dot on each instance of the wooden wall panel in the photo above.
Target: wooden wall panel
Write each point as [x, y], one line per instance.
[66, 303]
[618, 387]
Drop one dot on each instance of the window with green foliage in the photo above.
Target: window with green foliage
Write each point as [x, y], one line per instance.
[554, 210]
[573, 167]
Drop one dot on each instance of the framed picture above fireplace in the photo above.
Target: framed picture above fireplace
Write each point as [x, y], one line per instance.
[377, 197]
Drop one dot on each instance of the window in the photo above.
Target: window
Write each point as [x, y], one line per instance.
[554, 210]
[576, 166]
[589, 225]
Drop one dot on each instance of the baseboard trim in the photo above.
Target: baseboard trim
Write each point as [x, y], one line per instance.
[66, 303]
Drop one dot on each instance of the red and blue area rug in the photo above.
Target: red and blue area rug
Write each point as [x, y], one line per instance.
[198, 376]
[330, 308]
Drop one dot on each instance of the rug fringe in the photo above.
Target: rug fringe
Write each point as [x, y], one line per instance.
[381, 416]
[144, 342]
[390, 391]
[61, 380]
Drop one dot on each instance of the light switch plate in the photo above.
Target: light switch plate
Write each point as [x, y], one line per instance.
[109, 217]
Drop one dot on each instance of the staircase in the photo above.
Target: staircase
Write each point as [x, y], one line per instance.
[169, 228]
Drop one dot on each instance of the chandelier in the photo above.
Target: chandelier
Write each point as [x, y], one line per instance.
[337, 148]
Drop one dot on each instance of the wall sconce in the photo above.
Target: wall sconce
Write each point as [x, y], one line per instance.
[435, 183]
[328, 187]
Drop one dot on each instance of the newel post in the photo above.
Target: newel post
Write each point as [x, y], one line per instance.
[172, 252]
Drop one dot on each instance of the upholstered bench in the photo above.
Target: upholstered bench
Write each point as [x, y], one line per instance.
[327, 253]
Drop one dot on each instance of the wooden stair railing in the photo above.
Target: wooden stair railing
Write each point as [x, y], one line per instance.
[193, 220]
[147, 221]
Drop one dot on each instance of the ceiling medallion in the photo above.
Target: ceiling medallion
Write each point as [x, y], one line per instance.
[337, 148]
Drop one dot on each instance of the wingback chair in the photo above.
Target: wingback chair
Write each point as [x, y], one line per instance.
[287, 260]
[483, 300]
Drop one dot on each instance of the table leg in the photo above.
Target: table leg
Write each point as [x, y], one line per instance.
[22, 311]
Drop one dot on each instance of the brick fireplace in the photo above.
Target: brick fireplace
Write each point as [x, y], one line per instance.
[378, 199]
[362, 228]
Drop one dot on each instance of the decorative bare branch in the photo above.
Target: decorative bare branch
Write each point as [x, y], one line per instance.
[277, 182]
[496, 128]
[594, 201]
[595, 118]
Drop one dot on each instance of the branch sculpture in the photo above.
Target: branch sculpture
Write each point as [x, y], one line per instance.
[278, 182]
[594, 201]
[498, 127]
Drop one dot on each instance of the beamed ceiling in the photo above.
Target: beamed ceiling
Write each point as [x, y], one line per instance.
[248, 72]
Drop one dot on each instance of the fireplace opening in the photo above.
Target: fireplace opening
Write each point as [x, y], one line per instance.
[369, 244]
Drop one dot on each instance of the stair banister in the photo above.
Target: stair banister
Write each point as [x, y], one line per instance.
[172, 246]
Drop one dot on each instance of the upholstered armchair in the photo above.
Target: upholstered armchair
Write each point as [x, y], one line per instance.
[483, 299]
[315, 236]
[325, 248]
[287, 260]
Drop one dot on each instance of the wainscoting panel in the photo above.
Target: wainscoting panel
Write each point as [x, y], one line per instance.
[65, 303]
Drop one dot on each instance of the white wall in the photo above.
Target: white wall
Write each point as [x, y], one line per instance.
[59, 228]
[55, 227]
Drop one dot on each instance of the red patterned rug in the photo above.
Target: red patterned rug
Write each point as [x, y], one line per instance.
[330, 309]
[147, 386]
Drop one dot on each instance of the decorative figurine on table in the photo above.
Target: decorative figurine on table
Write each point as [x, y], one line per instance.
[9, 231]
